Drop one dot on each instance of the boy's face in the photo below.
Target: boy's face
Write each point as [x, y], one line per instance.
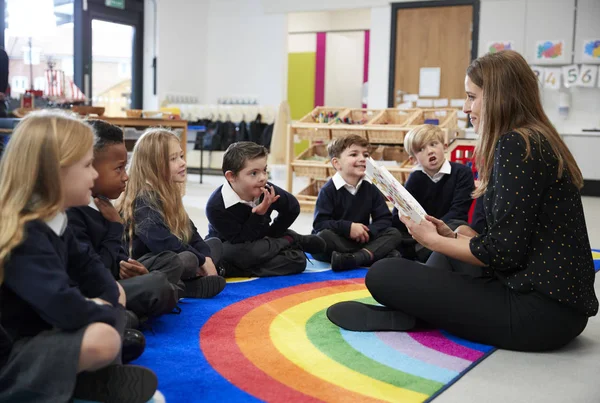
[431, 156]
[251, 180]
[112, 177]
[352, 163]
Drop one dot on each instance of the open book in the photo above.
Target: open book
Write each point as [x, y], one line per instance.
[394, 191]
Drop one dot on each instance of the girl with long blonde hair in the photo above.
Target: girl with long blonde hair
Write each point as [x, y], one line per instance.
[527, 281]
[59, 307]
[154, 216]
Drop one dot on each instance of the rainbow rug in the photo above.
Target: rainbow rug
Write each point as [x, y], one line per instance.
[269, 340]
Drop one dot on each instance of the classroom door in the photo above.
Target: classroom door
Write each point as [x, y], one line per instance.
[432, 37]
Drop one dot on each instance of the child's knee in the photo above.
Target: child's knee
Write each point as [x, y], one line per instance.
[101, 344]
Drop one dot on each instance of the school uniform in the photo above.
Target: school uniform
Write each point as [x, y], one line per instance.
[152, 236]
[45, 306]
[148, 295]
[253, 244]
[445, 195]
[340, 204]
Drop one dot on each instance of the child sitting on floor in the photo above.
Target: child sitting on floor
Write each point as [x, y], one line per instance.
[239, 213]
[154, 216]
[351, 214]
[150, 283]
[61, 312]
[441, 187]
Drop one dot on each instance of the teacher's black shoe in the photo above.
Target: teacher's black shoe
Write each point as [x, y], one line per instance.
[359, 317]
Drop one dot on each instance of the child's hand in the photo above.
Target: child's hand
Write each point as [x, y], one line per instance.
[466, 231]
[270, 198]
[208, 268]
[107, 210]
[99, 301]
[131, 268]
[441, 227]
[359, 233]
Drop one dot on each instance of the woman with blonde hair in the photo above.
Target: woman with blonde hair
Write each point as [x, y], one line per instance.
[154, 216]
[527, 281]
[59, 306]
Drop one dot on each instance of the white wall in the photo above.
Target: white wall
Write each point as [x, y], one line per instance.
[344, 61]
[323, 21]
[246, 53]
[182, 43]
[379, 56]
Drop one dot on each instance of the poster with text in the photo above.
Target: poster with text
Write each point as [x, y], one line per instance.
[591, 50]
[552, 78]
[497, 46]
[550, 51]
[587, 76]
[570, 75]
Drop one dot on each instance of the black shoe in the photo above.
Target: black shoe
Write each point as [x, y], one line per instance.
[309, 243]
[116, 384]
[134, 344]
[204, 287]
[395, 253]
[359, 317]
[343, 261]
[131, 320]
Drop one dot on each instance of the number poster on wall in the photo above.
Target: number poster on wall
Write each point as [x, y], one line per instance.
[587, 76]
[552, 78]
[570, 75]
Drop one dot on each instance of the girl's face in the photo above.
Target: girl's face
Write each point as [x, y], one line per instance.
[177, 165]
[78, 181]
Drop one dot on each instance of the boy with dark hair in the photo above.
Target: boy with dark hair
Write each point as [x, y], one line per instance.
[443, 188]
[239, 213]
[150, 284]
[351, 214]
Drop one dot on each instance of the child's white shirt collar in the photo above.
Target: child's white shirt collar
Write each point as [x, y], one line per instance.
[58, 223]
[231, 198]
[446, 169]
[339, 182]
[93, 204]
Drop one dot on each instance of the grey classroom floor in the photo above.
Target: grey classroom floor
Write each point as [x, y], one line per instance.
[571, 375]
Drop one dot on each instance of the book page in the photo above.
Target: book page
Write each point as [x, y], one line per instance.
[393, 191]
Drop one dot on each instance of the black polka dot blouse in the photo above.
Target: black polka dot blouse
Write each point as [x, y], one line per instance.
[536, 237]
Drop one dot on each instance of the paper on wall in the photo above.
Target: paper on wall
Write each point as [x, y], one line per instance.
[552, 78]
[570, 75]
[440, 103]
[457, 103]
[411, 97]
[425, 103]
[429, 81]
[539, 72]
[587, 76]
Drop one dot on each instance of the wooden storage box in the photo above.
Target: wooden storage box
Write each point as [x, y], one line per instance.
[447, 117]
[313, 162]
[310, 127]
[391, 125]
[307, 197]
[359, 117]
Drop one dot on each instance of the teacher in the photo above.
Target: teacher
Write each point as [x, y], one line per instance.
[527, 281]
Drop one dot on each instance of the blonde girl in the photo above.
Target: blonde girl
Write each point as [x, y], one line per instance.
[59, 306]
[156, 221]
